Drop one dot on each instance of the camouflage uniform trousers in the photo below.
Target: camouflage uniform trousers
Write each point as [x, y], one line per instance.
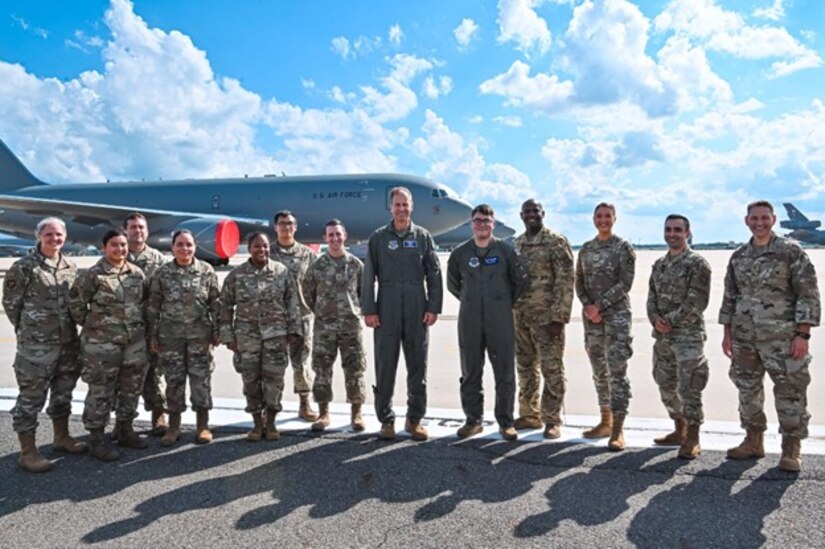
[182, 359]
[40, 369]
[680, 369]
[790, 382]
[539, 355]
[110, 369]
[609, 347]
[262, 364]
[154, 386]
[325, 345]
[299, 354]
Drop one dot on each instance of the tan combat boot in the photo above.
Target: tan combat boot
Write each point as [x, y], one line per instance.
[751, 447]
[791, 459]
[323, 417]
[469, 429]
[172, 431]
[100, 447]
[605, 426]
[690, 447]
[271, 432]
[508, 433]
[387, 431]
[527, 423]
[202, 433]
[415, 429]
[356, 419]
[128, 438]
[159, 424]
[616, 442]
[62, 441]
[305, 410]
[257, 432]
[552, 431]
[677, 437]
[30, 458]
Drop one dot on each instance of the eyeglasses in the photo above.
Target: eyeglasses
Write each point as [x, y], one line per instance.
[286, 224]
[482, 221]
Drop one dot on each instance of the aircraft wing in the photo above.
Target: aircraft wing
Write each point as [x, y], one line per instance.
[105, 214]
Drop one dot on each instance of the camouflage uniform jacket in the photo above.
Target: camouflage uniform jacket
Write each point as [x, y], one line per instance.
[407, 261]
[332, 288]
[604, 274]
[769, 290]
[549, 261]
[297, 258]
[184, 303]
[263, 303]
[149, 260]
[679, 291]
[36, 300]
[108, 303]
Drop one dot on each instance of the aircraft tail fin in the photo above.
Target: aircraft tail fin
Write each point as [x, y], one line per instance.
[13, 174]
[793, 213]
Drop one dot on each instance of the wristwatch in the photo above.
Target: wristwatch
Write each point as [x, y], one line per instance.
[804, 335]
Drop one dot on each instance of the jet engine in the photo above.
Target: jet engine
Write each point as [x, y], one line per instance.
[217, 240]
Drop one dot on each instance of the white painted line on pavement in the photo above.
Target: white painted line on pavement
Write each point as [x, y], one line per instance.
[442, 423]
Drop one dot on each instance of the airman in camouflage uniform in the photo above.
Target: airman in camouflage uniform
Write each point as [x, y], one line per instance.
[297, 258]
[540, 315]
[107, 302]
[678, 295]
[770, 303]
[183, 318]
[35, 299]
[260, 311]
[604, 275]
[149, 260]
[332, 289]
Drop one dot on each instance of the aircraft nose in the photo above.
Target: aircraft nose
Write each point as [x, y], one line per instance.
[453, 212]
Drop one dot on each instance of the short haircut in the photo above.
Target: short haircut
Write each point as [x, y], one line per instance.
[334, 222]
[607, 205]
[48, 221]
[532, 201]
[760, 204]
[111, 234]
[132, 216]
[179, 232]
[484, 209]
[679, 216]
[403, 190]
[283, 213]
[254, 236]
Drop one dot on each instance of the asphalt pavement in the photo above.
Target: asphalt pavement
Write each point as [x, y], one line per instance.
[352, 490]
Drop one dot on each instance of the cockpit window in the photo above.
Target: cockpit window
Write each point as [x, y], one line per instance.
[439, 193]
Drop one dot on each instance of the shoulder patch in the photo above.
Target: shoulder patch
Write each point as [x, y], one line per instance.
[11, 283]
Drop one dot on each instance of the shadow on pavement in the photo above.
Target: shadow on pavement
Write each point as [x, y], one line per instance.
[667, 517]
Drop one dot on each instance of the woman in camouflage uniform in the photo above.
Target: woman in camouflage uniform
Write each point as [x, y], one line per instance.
[107, 302]
[35, 298]
[260, 311]
[604, 276]
[182, 319]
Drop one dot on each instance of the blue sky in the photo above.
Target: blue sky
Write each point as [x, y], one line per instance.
[690, 106]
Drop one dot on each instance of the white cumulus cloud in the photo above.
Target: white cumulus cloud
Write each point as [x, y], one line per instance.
[396, 35]
[727, 32]
[519, 22]
[465, 32]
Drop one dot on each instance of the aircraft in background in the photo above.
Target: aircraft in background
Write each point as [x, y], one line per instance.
[219, 212]
[18, 247]
[464, 232]
[802, 228]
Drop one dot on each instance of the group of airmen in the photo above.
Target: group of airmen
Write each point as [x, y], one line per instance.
[145, 320]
